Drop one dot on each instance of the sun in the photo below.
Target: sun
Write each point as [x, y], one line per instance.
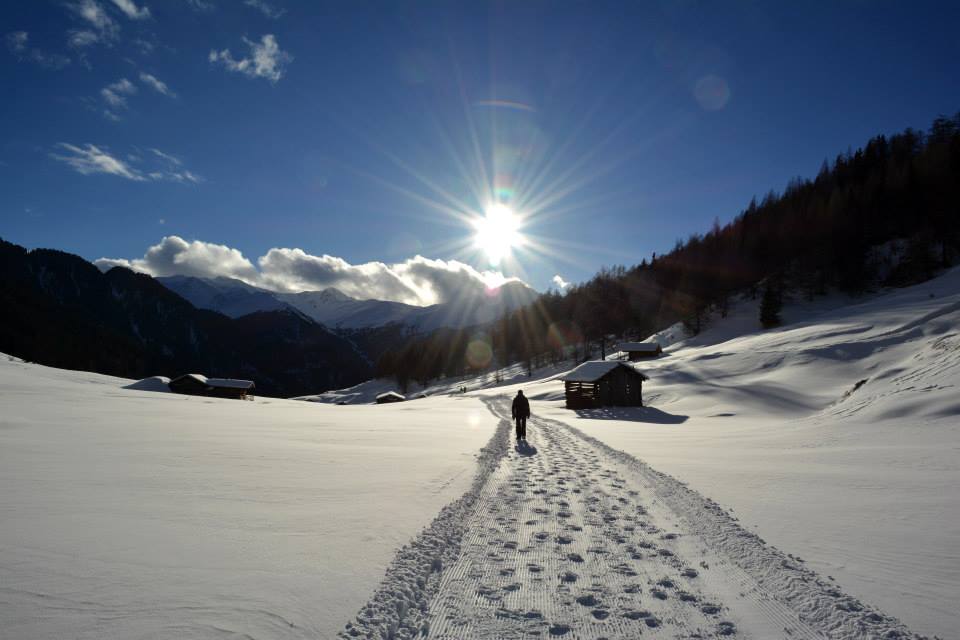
[498, 232]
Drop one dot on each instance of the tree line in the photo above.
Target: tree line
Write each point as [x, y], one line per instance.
[886, 214]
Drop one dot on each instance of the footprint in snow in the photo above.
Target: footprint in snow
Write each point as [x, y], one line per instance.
[588, 600]
[637, 615]
[726, 628]
[559, 629]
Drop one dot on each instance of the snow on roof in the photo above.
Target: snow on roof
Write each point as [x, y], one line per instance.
[223, 383]
[199, 377]
[230, 383]
[154, 383]
[639, 346]
[390, 394]
[595, 369]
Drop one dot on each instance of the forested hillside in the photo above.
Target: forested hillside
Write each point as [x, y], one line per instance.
[901, 191]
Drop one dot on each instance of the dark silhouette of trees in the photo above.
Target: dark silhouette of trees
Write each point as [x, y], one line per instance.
[770, 304]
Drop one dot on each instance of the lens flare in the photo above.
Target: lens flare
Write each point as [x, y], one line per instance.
[498, 232]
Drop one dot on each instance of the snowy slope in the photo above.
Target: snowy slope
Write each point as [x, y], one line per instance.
[336, 309]
[859, 481]
[135, 514]
[230, 297]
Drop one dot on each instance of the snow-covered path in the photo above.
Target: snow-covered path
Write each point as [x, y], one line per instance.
[567, 537]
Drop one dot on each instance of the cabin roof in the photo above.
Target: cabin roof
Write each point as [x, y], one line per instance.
[223, 383]
[647, 347]
[595, 369]
[230, 383]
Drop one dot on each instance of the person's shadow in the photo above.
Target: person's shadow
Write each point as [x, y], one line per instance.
[524, 448]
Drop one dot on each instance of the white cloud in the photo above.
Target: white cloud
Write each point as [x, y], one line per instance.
[418, 280]
[18, 44]
[17, 41]
[91, 159]
[131, 10]
[156, 84]
[175, 256]
[92, 12]
[266, 9]
[201, 5]
[173, 160]
[115, 94]
[560, 282]
[80, 38]
[266, 59]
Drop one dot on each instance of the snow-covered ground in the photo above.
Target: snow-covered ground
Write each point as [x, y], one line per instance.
[862, 484]
[135, 514]
[127, 513]
[859, 481]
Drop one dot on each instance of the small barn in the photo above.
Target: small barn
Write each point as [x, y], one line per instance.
[388, 397]
[196, 384]
[640, 350]
[602, 383]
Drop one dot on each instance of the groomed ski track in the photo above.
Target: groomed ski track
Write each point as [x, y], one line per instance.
[567, 537]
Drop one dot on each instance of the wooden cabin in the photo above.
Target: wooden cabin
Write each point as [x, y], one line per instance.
[640, 350]
[603, 383]
[196, 384]
[389, 396]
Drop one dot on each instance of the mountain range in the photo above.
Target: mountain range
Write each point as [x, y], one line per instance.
[335, 309]
[60, 310]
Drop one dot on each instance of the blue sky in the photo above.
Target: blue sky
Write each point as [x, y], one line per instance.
[346, 135]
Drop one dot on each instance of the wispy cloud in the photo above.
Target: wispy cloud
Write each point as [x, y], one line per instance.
[18, 43]
[89, 159]
[156, 84]
[79, 38]
[171, 168]
[115, 94]
[266, 59]
[96, 16]
[167, 157]
[201, 5]
[266, 9]
[131, 10]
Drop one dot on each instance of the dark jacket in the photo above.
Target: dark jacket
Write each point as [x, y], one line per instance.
[521, 407]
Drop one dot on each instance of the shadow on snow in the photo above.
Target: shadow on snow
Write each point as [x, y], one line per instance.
[632, 414]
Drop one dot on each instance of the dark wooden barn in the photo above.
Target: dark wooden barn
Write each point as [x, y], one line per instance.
[389, 396]
[640, 350]
[603, 383]
[196, 384]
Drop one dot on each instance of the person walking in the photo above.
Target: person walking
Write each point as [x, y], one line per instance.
[520, 412]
